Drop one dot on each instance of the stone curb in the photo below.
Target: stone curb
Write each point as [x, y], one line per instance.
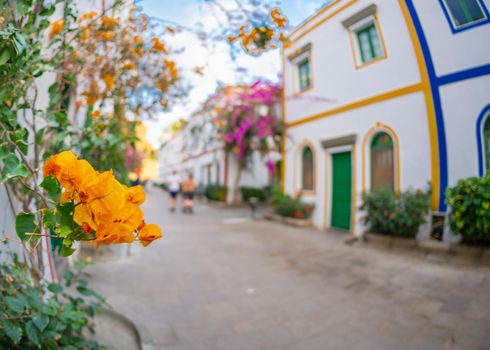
[432, 249]
[140, 332]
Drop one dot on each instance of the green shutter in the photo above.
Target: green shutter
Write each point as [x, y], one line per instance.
[341, 190]
[304, 74]
[369, 43]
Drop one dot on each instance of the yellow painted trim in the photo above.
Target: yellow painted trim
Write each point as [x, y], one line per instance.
[316, 25]
[283, 119]
[353, 210]
[312, 17]
[359, 65]
[299, 163]
[367, 138]
[429, 103]
[361, 103]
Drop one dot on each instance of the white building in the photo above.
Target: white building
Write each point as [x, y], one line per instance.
[196, 149]
[385, 93]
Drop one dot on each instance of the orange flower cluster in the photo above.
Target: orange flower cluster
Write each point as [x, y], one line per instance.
[257, 39]
[103, 205]
[56, 27]
[278, 18]
[158, 45]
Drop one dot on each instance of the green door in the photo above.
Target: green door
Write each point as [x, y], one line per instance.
[341, 189]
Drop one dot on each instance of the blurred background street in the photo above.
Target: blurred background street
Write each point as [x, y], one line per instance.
[219, 280]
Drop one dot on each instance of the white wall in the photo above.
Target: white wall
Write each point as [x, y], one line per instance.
[405, 115]
[462, 103]
[336, 81]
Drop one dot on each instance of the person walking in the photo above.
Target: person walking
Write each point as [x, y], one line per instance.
[173, 184]
[188, 188]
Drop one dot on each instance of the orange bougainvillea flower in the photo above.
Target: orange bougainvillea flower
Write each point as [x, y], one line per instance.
[56, 27]
[278, 18]
[114, 233]
[57, 162]
[102, 204]
[149, 233]
[135, 195]
[172, 68]
[109, 81]
[110, 22]
[84, 35]
[138, 40]
[88, 15]
[107, 36]
[95, 114]
[129, 65]
[158, 45]
[92, 94]
[75, 174]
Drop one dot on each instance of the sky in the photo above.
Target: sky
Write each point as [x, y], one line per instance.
[217, 63]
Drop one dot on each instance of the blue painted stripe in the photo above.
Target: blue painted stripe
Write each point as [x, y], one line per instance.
[479, 131]
[463, 75]
[441, 134]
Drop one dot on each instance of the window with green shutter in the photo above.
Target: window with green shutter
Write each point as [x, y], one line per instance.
[308, 169]
[369, 43]
[382, 162]
[486, 141]
[304, 74]
[465, 12]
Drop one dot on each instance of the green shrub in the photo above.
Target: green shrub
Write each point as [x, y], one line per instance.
[470, 209]
[216, 193]
[249, 192]
[162, 186]
[399, 214]
[45, 316]
[287, 206]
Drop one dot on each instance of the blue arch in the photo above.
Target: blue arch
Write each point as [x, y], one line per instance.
[481, 152]
[434, 86]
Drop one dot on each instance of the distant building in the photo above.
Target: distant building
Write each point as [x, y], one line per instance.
[196, 149]
[385, 93]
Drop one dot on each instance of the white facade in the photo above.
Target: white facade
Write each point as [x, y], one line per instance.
[413, 90]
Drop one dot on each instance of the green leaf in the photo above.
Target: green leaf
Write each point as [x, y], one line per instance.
[16, 304]
[65, 214]
[63, 231]
[13, 167]
[55, 288]
[52, 188]
[32, 333]
[66, 251]
[12, 330]
[41, 321]
[47, 11]
[4, 56]
[24, 223]
[49, 219]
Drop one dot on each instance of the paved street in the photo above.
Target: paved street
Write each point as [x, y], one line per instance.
[221, 281]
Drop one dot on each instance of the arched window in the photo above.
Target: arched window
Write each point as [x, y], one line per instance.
[382, 162]
[308, 169]
[486, 143]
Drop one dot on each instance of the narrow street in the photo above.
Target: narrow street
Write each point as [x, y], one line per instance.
[219, 280]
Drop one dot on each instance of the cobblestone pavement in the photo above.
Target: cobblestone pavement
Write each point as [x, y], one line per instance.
[219, 280]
